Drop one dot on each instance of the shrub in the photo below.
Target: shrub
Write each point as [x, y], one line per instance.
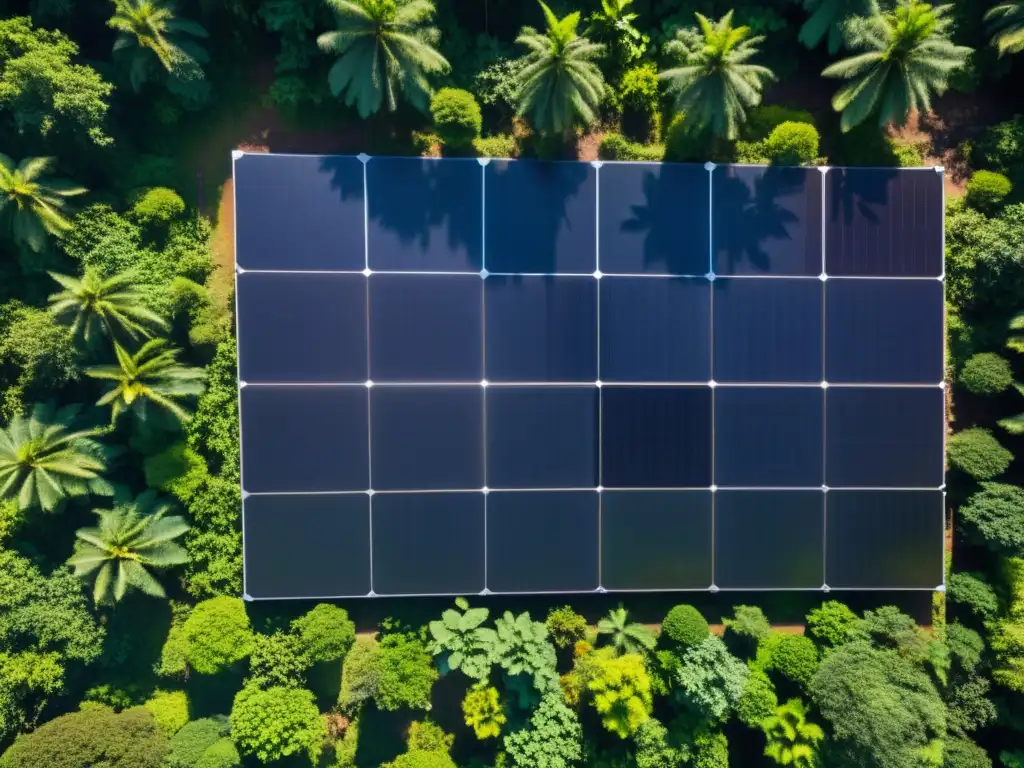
[360, 674]
[456, 116]
[277, 660]
[188, 745]
[220, 754]
[326, 633]
[711, 679]
[830, 622]
[552, 738]
[158, 206]
[792, 144]
[684, 626]
[994, 513]
[986, 374]
[277, 722]
[163, 468]
[217, 635]
[483, 712]
[976, 452]
[758, 700]
[565, 627]
[1002, 148]
[964, 753]
[406, 673]
[615, 146]
[745, 630]
[501, 145]
[684, 146]
[974, 593]
[795, 657]
[641, 116]
[766, 118]
[905, 154]
[426, 736]
[169, 710]
[712, 750]
[987, 190]
[621, 691]
[420, 759]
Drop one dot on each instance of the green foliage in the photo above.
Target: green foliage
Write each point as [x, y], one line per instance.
[277, 722]
[109, 306]
[828, 18]
[888, 628]
[427, 736]
[641, 110]
[712, 750]
[994, 515]
[325, 633]
[746, 629]
[406, 673]
[420, 759]
[972, 591]
[968, 707]
[33, 206]
[983, 270]
[792, 144]
[93, 737]
[830, 623]
[217, 635]
[27, 681]
[37, 357]
[1006, 24]
[710, 679]
[964, 753]
[461, 642]
[621, 691]
[976, 452]
[163, 469]
[483, 711]
[560, 85]
[613, 25]
[795, 657]
[1001, 148]
[277, 660]
[501, 145]
[1006, 636]
[656, 747]
[565, 627]
[457, 117]
[221, 754]
[965, 646]
[684, 626]
[792, 740]
[158, 207]
[758, 700]
[188, 746]
[615, 146]
[625, 638]
[521, 648]
[360, 677]
[553, 738]
[150, 38]
[987, 190]
[169, 710]
[986, 374]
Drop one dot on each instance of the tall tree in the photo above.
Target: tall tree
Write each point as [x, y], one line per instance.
[792, 740]
[559, 83]
[106, 305]
[714, 84]
[383, 47]
[906, 57]
[828, 17]
[43, 459]
[151, 375]
[128, 540]
[148, 33]
[1006, 23]
[626, 637]
[31, 205]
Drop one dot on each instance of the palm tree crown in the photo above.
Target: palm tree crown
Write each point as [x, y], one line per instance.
[153, 374]
[714, 86]
[828, 17]
[791, 739]
[383, 47]
[626, 637]
[31, 206]
[128, 539]
[559, 81]
[1006, 23]
[110, 305]
[907, 55]
[151, 26]
[44, 460]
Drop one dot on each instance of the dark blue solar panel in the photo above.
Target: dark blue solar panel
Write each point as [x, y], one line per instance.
[307, 545]
[542, 541]
[769, 539]
[884, 331]
[304, 439]
[542, 437]
[884, 438]
[768, 330]
[426, 328]
[769, 437]
[299, 212]
[654, 219]
[884, 222]
[428, 543]
[655, 540]
[425, 214]
[541, 217]
[655, 329]
[885, 539]
[427, 438]
[302, 328]
[767, 221]
[656, 437]
[541, 328]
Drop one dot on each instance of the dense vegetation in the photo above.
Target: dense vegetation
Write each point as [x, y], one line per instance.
[123, 640]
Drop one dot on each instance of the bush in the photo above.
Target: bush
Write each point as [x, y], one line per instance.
[158, 206]
[987, 190]
[964, 753]
[420, 759]
[746, 629]
[406, 673]
[217, 635]
[169, 710]
[641, 116]
[994, 514]
[360, 674]
[905, 154]
[684, 626]
[976, 452]
[792, 144]
[552, 738]
[830, 622]
[565, 627]
[795, 657]
[758, 700]
[615, 146]
[766, 118]
[456, 116]
[974, 593]
[986, 374]
[501, 145]
[1002, 148]
[712, 750]
[220, 754]
[277, 660]
[426, 736]
[326, 633]
[277, 722]
[188, 745]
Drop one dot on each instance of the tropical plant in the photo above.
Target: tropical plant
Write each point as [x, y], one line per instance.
[714, 85]
[151, 375]
[905, 55]
[43, 459]
[828, 17]
[624, 636]
[613, 24]
[31, 205]
[621, 690]
[559, 83]
[565, 626]
[1006, 24]
[148, 30]
[483, 711]
[711, 680]
[792, 740]
[552, 738]
[522, 649]
[384, 47]
[460, 641]
[129, 539]
[405, 673]
[108, 304]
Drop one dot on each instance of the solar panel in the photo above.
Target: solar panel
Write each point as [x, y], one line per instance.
[461, 376]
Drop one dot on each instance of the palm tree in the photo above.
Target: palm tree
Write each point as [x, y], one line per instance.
[558, 80]
[791, 739]
[129, 539]
[383, 47]
[148, 30]
[153, 374]
[828, 17]
[110, 305]
[31, 206]
[43, 459]
[1006, 22]
[612, 24]
[907, 55]
[626, 637]
[714, 86]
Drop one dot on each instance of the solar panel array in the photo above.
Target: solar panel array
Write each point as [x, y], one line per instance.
[462, 376]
